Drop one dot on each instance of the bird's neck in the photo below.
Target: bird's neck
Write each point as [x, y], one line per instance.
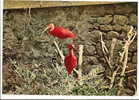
[52, 27]
[71, 52]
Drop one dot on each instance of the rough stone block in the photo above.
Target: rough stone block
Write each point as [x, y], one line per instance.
[117, 27]
[112, 34]
[126, 28]
[105, 20]
[134, 58]
[120, 19]
[95, 26]
[90, 50]
[99, 50]
[133, 19]
[106, 27]
[133, 47]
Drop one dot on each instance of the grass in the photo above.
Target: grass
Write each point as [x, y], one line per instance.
[54, 81]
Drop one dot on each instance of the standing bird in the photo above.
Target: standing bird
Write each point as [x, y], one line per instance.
[70, 60]
[59, 32]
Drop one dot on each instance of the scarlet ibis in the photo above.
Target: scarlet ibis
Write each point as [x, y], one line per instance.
[70, 60]
[59, 32]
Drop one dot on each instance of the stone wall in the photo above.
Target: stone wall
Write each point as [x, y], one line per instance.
[114, 24]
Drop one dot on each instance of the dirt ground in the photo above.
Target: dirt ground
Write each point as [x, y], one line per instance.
[32, 65]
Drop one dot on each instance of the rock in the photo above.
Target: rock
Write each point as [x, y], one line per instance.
[123, 36]
[95, 26]
[129, 59]
[120, 19]
[105, 20]
[9, 35]
[93, 70]
[129, 56]
[95, 34]
[92, 37]
[81, 37]
[89, 50]
[96, 69]
[126, 28]
[108, 43]
[112, 34]
[91, 60]
[119, 9]
[99, 49]
[36, 53]
[94, 60]
[90, 42]
[106, 28]
[133, 47]
[93, 20]
[119, 46]
[102, 60]
[131, 66]
[131, 82]
[86, 69]
[133, 19]
[117, 27]
[134, 58]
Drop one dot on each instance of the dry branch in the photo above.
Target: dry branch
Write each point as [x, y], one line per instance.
[60, 52]
[124, 58]
[112, 79]
[114, 40]
[29, 12]
[122, 62]
[80, 60]
[105, 51]
[109, 59]
[129, 73]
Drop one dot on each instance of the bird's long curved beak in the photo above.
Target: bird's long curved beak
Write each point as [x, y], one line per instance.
[45, 30]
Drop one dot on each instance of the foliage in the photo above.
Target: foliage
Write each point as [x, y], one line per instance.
[37, 79]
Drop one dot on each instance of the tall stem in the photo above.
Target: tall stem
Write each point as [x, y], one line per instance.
[60, 52]
[80, 60]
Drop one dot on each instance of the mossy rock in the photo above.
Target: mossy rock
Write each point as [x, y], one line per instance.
[133, 19]
[120, 19]
[107, 19]
[106, 27]
[112, 34]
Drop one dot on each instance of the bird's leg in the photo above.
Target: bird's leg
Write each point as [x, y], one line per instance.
[61, 46]
[75, 71]
[60, 52]
[67, 82]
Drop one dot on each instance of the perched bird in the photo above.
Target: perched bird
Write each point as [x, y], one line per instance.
[70, 60]
[59, 32]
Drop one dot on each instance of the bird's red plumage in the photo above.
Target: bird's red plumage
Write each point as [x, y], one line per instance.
[61, 33]
[70, 63]
[70, 60]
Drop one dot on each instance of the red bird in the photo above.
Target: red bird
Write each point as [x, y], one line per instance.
[70, 60]
[59, 32]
